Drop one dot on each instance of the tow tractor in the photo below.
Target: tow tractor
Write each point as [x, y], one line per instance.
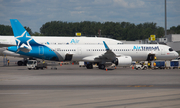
[141, 66]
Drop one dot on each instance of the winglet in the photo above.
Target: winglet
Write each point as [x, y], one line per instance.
[107, 48]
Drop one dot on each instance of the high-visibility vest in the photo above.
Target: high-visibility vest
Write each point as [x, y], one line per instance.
[155, 58]
[149, 64]
[154, 64]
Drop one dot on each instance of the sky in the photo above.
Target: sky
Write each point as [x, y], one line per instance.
[35, 13]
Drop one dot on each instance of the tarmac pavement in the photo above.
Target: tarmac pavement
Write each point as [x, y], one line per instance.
[71, 86]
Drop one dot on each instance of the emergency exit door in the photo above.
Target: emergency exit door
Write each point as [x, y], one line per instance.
[162, 50]
[41, 50]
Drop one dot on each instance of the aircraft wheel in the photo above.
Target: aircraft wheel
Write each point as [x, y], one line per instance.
[25, 62]
[101, 66]
[19, 63]
[89, 66]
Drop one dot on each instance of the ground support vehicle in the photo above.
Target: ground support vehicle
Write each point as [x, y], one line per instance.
[81, 64]
[160, 64]
[168, 64]
[35, 64]
[140, 66]
[175, 64]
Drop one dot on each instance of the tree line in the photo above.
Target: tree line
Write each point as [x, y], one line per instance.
[115, 30]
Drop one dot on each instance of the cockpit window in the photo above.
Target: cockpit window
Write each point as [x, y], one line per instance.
[170, 49]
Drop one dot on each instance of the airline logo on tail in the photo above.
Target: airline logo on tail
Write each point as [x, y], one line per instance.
[26, 45]
[23, 41]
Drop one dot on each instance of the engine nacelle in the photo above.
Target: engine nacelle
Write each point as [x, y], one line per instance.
[123, 61]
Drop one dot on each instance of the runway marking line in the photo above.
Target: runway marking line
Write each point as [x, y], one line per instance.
[140, 86]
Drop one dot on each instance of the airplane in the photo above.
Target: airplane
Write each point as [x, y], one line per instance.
[6, 41]
[103, 54]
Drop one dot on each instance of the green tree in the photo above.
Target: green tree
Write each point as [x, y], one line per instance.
[28, 30]
[5, 30]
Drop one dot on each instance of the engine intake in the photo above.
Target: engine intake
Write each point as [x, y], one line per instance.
[123, 61]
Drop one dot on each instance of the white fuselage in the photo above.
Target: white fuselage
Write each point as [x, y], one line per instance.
[138, 54]
[53, 40]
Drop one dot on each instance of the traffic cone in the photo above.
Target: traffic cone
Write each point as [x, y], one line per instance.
[60, 64]
[72, 63]
[132, 67]
[106, 69]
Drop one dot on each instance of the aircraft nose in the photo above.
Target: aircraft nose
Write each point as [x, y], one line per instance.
[176, 54]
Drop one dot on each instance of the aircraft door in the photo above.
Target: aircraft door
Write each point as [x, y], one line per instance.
[79, 51]
[162, 50]
[68, 57]
[41, 50]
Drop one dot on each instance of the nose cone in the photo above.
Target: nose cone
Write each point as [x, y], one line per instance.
[176, 54]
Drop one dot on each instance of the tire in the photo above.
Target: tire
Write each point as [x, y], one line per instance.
[19, 63]
[89, 66]
[101, 66]
[29, 68]
[36, 68]
[25, 62]
[145, 68]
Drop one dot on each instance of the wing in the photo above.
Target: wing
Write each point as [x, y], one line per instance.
[5, 45]
[109, 55]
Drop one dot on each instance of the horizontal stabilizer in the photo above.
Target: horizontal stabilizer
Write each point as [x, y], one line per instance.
[26, 50]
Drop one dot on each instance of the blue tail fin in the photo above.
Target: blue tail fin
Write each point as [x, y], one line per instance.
[26, 45]
[22, 37]
[18, 29]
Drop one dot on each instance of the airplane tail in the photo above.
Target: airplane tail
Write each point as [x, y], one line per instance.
[26, 45]
[18, 29]
[24, 41]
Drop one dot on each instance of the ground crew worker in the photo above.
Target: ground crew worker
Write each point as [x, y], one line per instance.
[154, 64]
[154, 57]
[8, 62]
[149, 65]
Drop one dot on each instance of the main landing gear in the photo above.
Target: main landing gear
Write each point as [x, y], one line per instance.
[89, 66]
[22, 62]
[101, 66]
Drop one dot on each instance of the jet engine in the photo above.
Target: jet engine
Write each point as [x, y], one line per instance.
[123, 61]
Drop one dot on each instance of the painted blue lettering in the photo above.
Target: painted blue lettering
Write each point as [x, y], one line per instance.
[74, 41]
